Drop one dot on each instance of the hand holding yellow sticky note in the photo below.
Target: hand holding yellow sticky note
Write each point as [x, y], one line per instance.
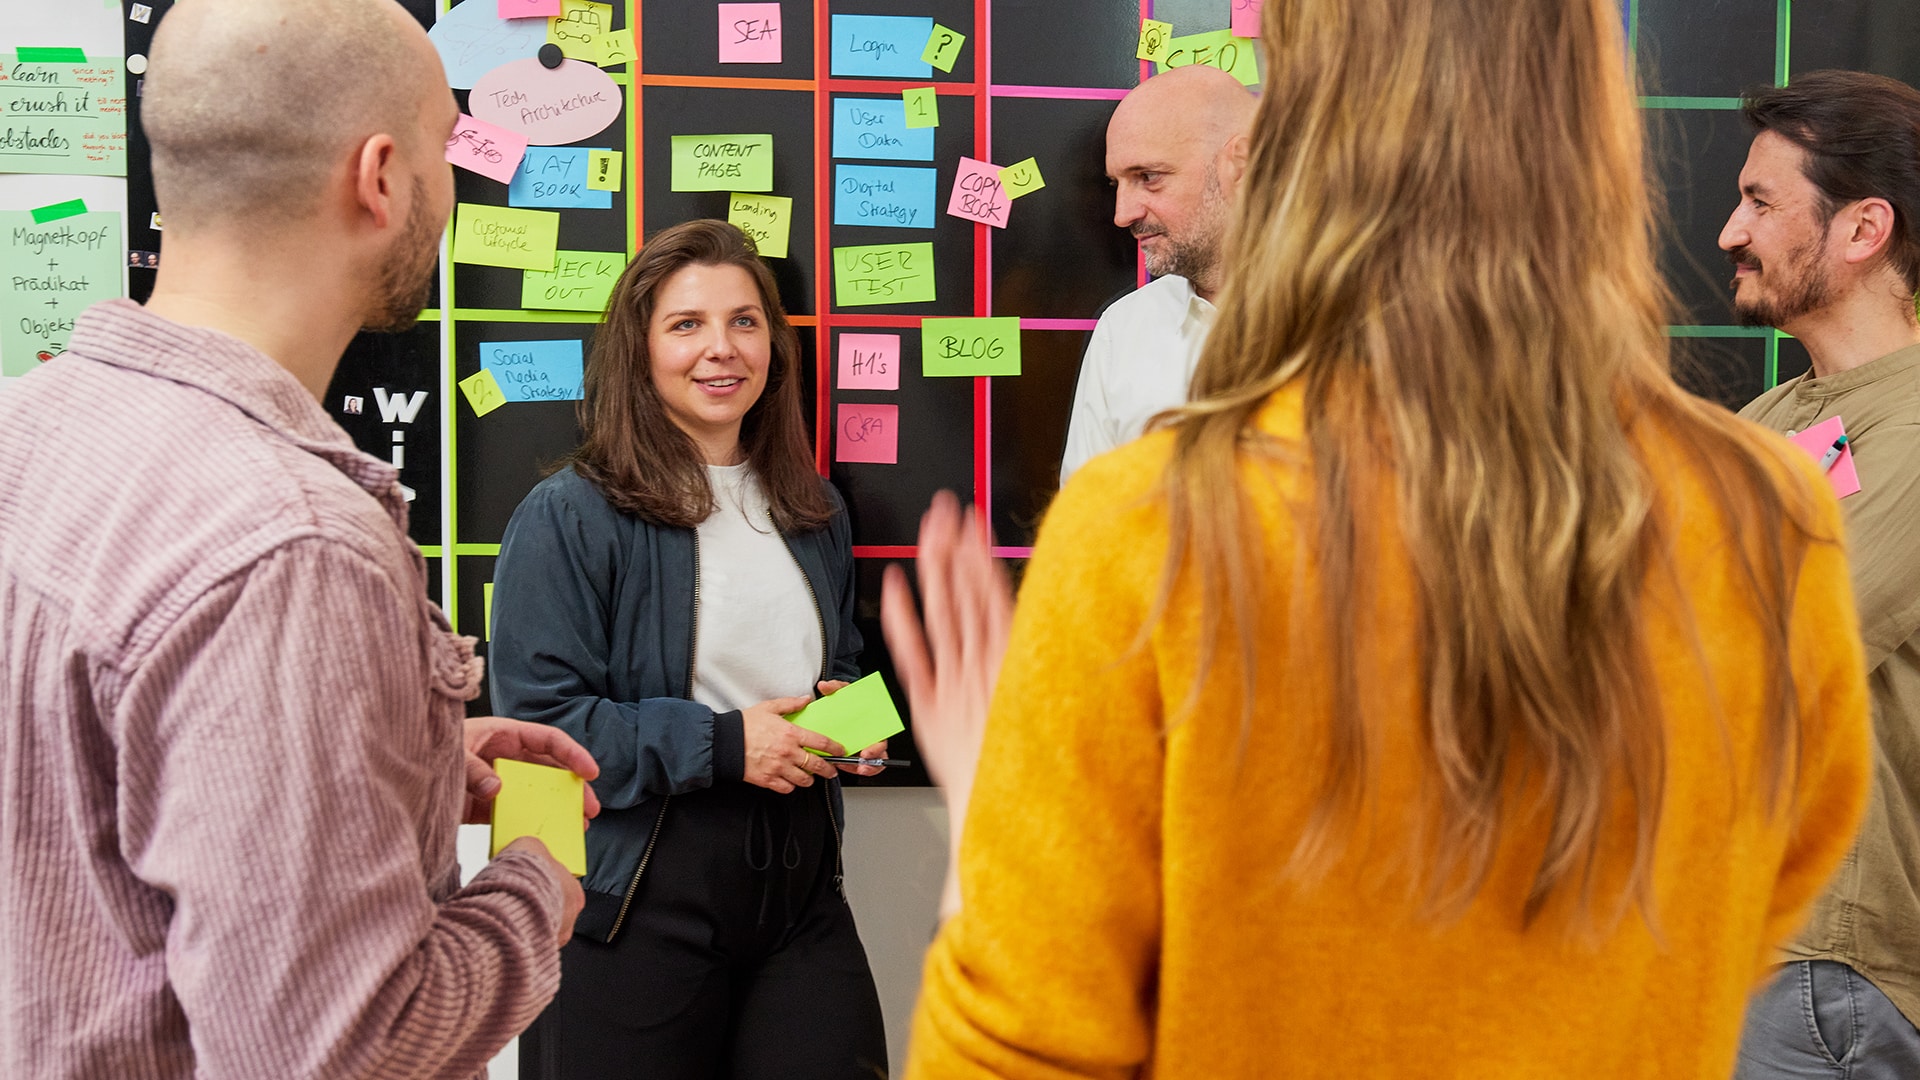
[545, 803]
[856, 716]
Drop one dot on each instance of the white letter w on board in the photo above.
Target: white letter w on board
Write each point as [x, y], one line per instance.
[396, 409]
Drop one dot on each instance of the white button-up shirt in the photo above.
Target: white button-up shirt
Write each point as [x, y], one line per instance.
[1140, 362]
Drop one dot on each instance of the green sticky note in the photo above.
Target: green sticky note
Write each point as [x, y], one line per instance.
[53, 270]
[63, 113]
[52, 56]
[579, 281]
[856, 716]
[923, 107]
[970, 346]
[1021, 178]
[56, 211]
[767, 219]
[483, 392]
[723, 163]
[1154, 36]
[943, 47]
[504, 236]
[603, 170]
[883, 274]
[486, 605]
[613, 48]
[543, 802]
[578, 27]
[1218, 48]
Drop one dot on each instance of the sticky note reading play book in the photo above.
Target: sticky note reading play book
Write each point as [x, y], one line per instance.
[1817, 440]
[543, 802]
[856, 716]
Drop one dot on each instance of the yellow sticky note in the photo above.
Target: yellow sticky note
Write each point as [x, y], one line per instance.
[486, 599]
[503, 236]
[722, 163]
[483, 393]
[923, 107]
[603, 170]
[578, 27]
[615, 47]
[768, 219]
[943, 47]
[542, 802]
[856, 716]
[1154, 37]
[1022, 177]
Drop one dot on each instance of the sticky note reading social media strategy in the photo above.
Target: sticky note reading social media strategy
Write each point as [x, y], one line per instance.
[535, 370]
[545, 803]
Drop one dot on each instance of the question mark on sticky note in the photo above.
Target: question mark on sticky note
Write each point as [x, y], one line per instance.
[943, 47]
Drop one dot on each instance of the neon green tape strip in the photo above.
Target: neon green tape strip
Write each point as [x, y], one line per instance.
[1689, 102]
[51, 56]
[503, 315]
[70, 208]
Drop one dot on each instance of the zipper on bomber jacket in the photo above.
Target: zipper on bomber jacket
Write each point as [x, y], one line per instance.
[820, 614]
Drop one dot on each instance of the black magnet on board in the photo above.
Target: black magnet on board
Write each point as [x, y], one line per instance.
[551, 56]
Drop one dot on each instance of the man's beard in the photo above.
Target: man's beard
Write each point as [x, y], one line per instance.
[1196, 254]
[1800, 286]
[406, 281]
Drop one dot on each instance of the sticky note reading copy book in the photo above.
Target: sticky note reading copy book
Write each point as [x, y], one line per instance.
[545, 803]
[856, 716]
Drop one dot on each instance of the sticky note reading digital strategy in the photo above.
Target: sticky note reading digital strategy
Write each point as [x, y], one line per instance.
[978, 194]
[922, 104]
[877, 128]
[868, 433]
[943, 47]
[970, 346]
[766, 219]
[1218, 48]
[499, 236]
[894, 196]
[723, 163]
[880, 46]
[535, 370]
[856, 716]
[883, 274]
[869, 362]
[579, 281]
[556, 178]
[545, 803]
[750, 33]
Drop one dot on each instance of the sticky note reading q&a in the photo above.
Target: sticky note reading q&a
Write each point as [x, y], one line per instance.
[1246, 18]
[749, 33]
[723, 163]
[883, 274]
[579, 281]
[500, 236]
[766, 219]
[545, 803]
[943, 47]
[487, 149]
[1154, 36]
[1819, 439]
[923, 107]
[970, 346]
[482, 392]
[869, 362]
[1021, 178]
[536, 370]
[867, 433]
[603, 170]
[978, 194]
[529, 9]
[856, 716]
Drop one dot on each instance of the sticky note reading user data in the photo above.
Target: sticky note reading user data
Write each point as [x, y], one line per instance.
[869, 362]
[894, 196]
[1022, 178]
[750, 33]
[877, 128]
[603, 170]
[883, 274]
[766, 219]
[1217, 48]
[483, 392]
[545, 803]
[978, 194]
[856, 716]
[943, 47]
[723, 163]
[970, 346]
[1246, 18]
[867, 433]
[880, 46]
[922, 105]
[556, 177]
[1819, 439]
[500, 236]
[1154, 36]
[487, 149]
[535, 370]
[579, 281]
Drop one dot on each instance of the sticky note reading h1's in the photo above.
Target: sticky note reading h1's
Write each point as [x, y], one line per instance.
[1246, 18]
[603, 170]
[766, 219]
[483, 392]
[750, 33]
[869, 362]
[723, 163]
[880, 46]
[1819, 439]
[535, 370]
[579, 281]
[970, 346]
[1218, 48]
[922, 105]
[896, 196]
[978, 194]
[877, 128]
[545, 803]
[943, 47]
[556, 177]
[868, 433]
[856, 716]
[487, 149]
[883, 274]
[499, 236]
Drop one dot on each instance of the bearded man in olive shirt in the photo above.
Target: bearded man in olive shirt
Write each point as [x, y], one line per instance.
[1826, 246]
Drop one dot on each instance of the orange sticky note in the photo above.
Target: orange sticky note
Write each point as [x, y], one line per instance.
[1819, 439]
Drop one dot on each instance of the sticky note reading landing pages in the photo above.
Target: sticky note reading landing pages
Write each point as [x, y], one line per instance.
[1817, 440]
[857, 716]
[547, 804]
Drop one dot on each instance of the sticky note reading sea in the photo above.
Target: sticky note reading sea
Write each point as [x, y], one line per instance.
[723, 163]
[487, 149]
[750, 33]
[877, 128]
[545, 803]
[880, 46]
[856, 716]
[579, 281]
[535, 370]
[978, 194]
[869, 362]
[766, 219]
[64, 115]
[498, 236]
[868, 433]
[1218, 48]
[895, 196]
[883, 274]
[557, 178]
[970, 346]
[551, 107]
[49, 273]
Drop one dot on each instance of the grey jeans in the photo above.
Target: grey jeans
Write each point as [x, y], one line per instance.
[1819, 1018]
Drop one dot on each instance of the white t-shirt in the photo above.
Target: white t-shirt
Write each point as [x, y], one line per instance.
[1140, 362]
[757, 631]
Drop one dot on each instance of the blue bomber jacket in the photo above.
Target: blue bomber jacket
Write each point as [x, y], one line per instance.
[593, 632]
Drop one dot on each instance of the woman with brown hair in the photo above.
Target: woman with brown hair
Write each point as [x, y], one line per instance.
[1444, 692]
[666, 598]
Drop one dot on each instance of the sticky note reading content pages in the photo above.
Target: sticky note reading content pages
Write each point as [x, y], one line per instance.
[883, 274]
[499, 236]
[723, 163]
[857, 716]
[545, 803]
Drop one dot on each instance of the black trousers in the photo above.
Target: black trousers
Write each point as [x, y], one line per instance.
[738, 958]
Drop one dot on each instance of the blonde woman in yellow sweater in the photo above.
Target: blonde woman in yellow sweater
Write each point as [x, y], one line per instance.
[1444, 693]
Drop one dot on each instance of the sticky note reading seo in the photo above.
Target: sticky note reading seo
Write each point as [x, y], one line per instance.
[880, 46]
[766, 219]
[723, 163]
[877, 128]
[1218, 49]
[542, 802]
[483, 392]
[535, 370]
[487, 149]
[556, 178]
[978, 194]
[970, 346]
[528, 9]
[883, 274]
[750, 33]
[856, 716]
[1021, 178]
[868, 433]
[895, 196]
[577, 28]
[922, 105]
[1154, 36]
[943, 47]
[579, 281]
[1246, 18]
[603, 170]
[499, 236]
[869, 362]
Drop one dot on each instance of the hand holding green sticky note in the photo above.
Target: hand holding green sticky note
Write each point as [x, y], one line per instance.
[856, 716]
[545, 803]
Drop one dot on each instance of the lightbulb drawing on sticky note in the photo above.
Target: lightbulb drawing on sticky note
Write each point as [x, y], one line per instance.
[1154, 36]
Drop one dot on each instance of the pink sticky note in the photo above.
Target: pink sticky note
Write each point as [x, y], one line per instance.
[750, 33]
[869, 362]
[529, 9]
[488, 149]
[1246, 18]
[1817, 440]
[977, 194]
[869, 433]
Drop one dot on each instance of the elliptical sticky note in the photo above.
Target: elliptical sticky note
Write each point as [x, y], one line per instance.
[856, 716]
[545, 803]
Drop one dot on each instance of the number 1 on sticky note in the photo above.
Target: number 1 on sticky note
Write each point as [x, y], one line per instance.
[923, 107]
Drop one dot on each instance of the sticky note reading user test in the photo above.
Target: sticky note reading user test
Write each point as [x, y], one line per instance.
[856, 716]
[883, 274]
[766, 219]
[545, 803]
[970, 346]
[1817, 440]
[723, 163]
[500, 236]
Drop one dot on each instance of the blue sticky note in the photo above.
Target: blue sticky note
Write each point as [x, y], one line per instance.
[889, 195]
[881, 46]
[555, 177]
[877, 128]
[535, 370]
[473, 39]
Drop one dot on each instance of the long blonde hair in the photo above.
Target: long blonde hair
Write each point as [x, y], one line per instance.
[1445, 237]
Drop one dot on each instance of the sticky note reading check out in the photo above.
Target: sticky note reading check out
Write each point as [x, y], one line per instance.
[545, 803]
[856, 716]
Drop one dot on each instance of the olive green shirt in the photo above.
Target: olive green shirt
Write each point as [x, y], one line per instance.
[1870, 916]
